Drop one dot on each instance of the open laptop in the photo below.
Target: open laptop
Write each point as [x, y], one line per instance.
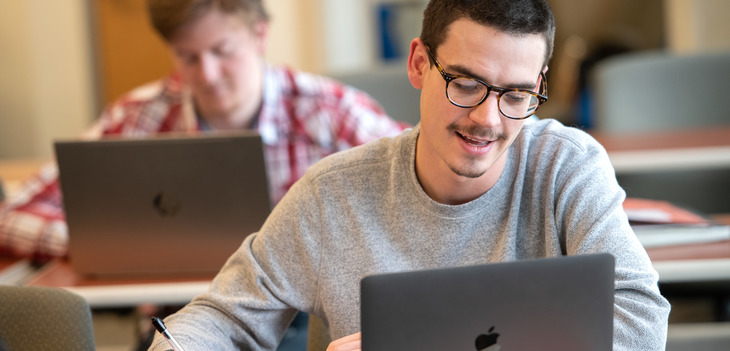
[164, 206]
[563, 303]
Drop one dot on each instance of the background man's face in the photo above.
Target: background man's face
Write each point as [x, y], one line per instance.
[220, 58]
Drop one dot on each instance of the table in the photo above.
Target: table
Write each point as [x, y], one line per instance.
[695, 165]
[702, 262]
[698, 263]
[121, 291]
[703, 148]
[19, 169]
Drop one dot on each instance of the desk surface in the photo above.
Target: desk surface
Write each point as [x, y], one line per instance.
[665, 140]
[686, 263]
[674, 264]
[707, 148]
[117, 292]
[18, 170]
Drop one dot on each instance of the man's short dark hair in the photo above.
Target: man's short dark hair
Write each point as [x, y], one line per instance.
[167, 16]
[517, 17]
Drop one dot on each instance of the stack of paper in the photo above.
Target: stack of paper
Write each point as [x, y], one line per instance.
[660, 223]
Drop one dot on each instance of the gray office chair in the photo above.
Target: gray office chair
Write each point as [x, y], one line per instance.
[648, 91]
[388, 85]
[699, 337]
[43, 318]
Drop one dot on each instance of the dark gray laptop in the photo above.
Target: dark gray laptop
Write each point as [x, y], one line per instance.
[563, 303]
[169, 205]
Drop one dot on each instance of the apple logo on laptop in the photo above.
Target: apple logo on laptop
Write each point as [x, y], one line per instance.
[166, 204]
[487, 342]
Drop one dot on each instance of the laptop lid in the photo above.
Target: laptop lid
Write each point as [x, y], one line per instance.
[168, 205]
[563, 303]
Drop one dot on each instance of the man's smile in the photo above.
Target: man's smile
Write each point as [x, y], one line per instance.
[474, 141]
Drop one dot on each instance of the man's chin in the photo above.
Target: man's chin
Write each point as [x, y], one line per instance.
[468, 171]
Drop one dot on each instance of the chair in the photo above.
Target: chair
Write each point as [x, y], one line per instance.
[699, 336]
[388, 85]
[649, 91]
[43, 318]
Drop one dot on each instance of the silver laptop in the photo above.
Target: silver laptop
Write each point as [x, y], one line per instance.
[563, 303]
[169, 205]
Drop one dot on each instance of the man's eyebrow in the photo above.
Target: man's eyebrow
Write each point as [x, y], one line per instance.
[463, 71]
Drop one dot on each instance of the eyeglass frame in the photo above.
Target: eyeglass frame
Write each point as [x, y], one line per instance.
[541, 98]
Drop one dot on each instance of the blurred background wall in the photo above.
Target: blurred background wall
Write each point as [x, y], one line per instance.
[46, 74]
[63, 60]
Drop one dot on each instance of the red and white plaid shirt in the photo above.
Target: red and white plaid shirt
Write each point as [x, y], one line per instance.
[303, 118]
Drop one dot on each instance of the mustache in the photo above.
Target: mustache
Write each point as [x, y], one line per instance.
[476, 131]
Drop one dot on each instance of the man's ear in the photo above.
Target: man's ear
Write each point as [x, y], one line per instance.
[418, 63]
[539, 81]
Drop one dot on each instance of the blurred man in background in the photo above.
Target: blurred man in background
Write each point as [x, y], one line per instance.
[221, 83]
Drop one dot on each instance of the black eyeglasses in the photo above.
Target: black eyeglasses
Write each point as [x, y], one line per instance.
[468, 92]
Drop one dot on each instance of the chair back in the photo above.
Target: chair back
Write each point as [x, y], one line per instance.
[657, 90]
[44, 318]
[389, 86]
[712, 336]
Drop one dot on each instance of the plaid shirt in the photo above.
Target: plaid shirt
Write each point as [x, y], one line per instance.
[303, 118]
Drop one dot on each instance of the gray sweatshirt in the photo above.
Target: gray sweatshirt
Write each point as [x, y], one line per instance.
[363, 211]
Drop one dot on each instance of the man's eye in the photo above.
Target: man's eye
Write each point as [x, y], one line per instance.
[224, 50]
[465, 86]
[516, 97]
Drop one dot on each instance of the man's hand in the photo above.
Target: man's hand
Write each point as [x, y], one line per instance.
[348, 343]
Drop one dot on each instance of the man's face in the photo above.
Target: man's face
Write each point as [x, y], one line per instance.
[463, 144]
[220, 58]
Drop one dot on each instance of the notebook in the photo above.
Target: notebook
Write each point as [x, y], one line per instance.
[563, 303]
[170, 205]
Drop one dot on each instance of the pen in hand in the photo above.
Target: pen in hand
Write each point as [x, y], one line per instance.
[160, 326]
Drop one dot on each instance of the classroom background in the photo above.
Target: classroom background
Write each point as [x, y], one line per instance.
[64, 60]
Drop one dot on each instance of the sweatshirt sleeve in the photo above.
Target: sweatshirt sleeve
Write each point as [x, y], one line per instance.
[589, 212]
[261, 287]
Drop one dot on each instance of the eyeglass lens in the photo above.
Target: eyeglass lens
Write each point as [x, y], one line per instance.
[468, 93]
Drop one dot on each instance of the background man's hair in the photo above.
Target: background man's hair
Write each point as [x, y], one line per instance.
[517, 17]
[167, 16]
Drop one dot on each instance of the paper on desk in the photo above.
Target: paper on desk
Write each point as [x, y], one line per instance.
[660, 212]
[661, 223]
[680, 234]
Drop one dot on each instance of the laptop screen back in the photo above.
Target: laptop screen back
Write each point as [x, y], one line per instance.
[174, 205]
[563, 303]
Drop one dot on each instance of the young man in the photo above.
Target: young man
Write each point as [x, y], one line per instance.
[472, 184]
[221, 83]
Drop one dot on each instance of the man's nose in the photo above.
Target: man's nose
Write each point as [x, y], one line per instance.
[208, 69]
[487, 113]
